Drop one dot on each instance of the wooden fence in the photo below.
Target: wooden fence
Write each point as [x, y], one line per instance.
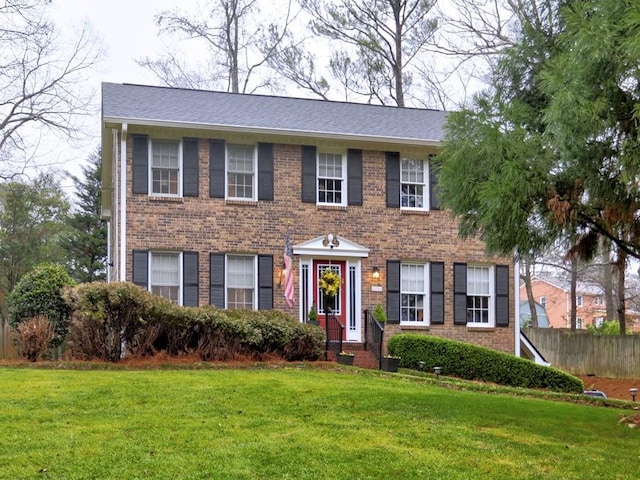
[7, 349]
[582, 353]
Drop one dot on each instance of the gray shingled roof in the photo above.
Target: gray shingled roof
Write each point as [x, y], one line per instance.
[138, 104]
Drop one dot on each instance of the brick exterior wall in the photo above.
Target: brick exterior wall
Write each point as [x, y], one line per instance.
[207, 225]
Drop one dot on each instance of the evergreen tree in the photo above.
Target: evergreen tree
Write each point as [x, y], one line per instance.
[86, 243]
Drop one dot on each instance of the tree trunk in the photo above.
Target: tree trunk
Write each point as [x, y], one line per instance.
[397, 67]
[531, 300]
[621, 264]
[574, 283]
[607, 280]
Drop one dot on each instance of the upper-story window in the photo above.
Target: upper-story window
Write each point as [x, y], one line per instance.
[543, 302]
[579, 300]
[165, 167]
[413, 293]
[599, 301]
[331, 178]
[413, 187]
[479, 294]
[241, 168]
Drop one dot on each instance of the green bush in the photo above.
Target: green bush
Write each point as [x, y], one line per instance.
[39, 292]
[109, 317]
[472, 362]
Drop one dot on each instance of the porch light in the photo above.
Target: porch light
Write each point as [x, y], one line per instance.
[633, 392]
[376, 275]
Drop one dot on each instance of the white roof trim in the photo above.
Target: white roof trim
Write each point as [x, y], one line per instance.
[316, 248]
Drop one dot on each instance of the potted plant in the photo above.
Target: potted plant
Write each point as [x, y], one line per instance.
[345, 358]
[329, 286]
[379, 314]
[312, 318]
[390, 363]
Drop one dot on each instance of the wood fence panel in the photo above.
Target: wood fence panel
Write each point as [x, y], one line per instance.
[7, 350]
[582, 353]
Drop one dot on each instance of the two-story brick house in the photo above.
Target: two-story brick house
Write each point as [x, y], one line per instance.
[200, 189]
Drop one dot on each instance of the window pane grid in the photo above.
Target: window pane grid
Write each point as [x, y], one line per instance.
[240, 171]
[165, 154]
[478, 294]
[240, 282]
[412, 183]
[165, 181]
[412, 298]
[330, 181]
[165, 275]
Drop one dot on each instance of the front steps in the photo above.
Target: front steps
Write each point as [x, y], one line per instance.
[362, 358]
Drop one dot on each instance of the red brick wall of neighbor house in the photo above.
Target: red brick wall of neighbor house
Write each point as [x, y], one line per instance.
[207, 225]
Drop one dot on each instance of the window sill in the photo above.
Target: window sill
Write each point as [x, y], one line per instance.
[330, 207]
[414, 212]
[415, 327]
[481, 328]
[166, 199]
[246, 203]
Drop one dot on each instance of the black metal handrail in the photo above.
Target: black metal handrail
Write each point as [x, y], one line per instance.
[335, 330]
[373, 336]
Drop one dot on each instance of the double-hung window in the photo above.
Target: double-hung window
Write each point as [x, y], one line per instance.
[579, 300]
[543, 302]
[165, 275]
[241, 282]
[331, 179]
[241, 172]
[413, 293]
[165, 167]
[413, 184]
[479, 294]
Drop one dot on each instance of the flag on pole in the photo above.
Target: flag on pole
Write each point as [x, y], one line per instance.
[289, 294]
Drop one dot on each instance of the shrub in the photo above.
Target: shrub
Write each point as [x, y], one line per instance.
[39, 292]
[379, 314]
[473, 362]
[34, 337]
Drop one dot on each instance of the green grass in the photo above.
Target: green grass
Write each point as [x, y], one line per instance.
[294, 423]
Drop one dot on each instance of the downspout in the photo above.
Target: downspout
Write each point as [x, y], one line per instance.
[516, 298]
[123, 203]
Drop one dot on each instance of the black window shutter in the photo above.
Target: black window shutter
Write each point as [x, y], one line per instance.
[265, 171]
[265, 282]
[434, 201]
[140, 268]
[190, 167]
[354, 175]
[216, 279]
[393, 291]
[308, 174]
[190, 279]
[140, 172]
[393, 179]
[460, 293]
[217, 155]
[502, 295]
[436, 303]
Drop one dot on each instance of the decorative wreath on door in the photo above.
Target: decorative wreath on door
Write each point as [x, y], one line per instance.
[329, 283]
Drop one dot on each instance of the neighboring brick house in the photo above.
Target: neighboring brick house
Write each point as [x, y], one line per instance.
[200, 189]
[554, 295]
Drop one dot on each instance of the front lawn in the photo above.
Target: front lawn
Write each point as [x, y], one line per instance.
[294, 423]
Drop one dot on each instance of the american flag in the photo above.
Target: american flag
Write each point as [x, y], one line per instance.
[289, 294]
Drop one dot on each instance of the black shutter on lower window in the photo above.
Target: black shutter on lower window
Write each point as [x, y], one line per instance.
[191, 167]
[354, 177]
[502, 295]
[436, 303]
[265, 282]
[217, 156]
[393, 291]
[460, 293]
[393, 179]
[265, 171]
[190, 279]
[216, 279]
[434, 200]
[308, 174]
[140, 164]
[140, 268]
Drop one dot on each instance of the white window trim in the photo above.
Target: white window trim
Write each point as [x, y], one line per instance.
[426, 293]
[254, 189]
[343, 178]
[579, 300]
[150, 167]
[255, 278]
[492, 298]
[426, 195]
[180, 270]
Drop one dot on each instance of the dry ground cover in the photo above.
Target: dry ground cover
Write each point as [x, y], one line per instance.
[293, 421]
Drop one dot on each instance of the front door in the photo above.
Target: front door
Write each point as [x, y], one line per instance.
[338, 305]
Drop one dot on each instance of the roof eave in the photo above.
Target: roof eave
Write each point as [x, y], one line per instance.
[272, 131]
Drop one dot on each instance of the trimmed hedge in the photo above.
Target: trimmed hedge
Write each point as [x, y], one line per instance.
[473, 362]
[110, 320]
